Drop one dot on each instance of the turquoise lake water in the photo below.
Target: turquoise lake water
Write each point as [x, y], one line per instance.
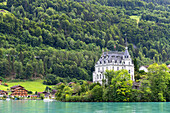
[38, 106]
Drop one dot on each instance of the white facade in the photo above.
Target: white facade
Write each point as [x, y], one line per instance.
[113, 60]
[143, 68]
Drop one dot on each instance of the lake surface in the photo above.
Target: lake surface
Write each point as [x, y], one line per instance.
[38, 106]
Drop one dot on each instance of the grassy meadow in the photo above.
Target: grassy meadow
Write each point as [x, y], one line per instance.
[33, 86]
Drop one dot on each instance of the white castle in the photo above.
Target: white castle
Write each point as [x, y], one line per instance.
[113, 60]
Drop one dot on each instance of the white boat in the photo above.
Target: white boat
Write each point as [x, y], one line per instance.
[8, 99]
[47, 100]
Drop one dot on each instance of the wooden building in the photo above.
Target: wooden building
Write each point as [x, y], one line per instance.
[19, 91]
[46, 94]
[2, 92]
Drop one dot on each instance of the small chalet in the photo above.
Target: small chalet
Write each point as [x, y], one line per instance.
[46, 94]
[0, 82]
[19, 91]
[144, 68]
[2, 92]
[53, 93]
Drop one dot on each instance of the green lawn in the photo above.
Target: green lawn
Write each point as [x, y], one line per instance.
[28, 85]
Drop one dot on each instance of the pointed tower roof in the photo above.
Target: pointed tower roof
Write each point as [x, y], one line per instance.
[126, 53]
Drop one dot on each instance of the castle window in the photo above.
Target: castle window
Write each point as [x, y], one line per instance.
[117, 68]
[129, 71]
[104, 62]
[115, 61]
[127, 56]
[120, 61]
[100, 62]
[100, 76]
[97, 76]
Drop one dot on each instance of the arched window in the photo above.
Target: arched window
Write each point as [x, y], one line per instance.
[97, 76]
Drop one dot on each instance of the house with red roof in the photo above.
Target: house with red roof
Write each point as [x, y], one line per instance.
[19, 91]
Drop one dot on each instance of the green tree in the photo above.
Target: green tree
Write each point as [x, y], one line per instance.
[159, 78]
[28, 70]
[97, 93]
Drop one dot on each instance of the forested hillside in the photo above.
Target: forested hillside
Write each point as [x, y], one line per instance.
[65, 37]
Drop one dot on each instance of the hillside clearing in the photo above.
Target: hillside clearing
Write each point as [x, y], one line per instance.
[136, 18]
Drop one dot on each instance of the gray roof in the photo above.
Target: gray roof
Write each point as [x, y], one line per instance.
[126, 53]
[112, 55]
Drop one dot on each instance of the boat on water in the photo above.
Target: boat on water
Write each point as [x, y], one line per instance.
[8, 99]
[47, 100]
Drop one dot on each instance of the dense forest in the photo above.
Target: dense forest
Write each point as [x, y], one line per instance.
[65, 38]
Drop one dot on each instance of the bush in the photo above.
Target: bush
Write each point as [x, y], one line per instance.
[29, 92]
